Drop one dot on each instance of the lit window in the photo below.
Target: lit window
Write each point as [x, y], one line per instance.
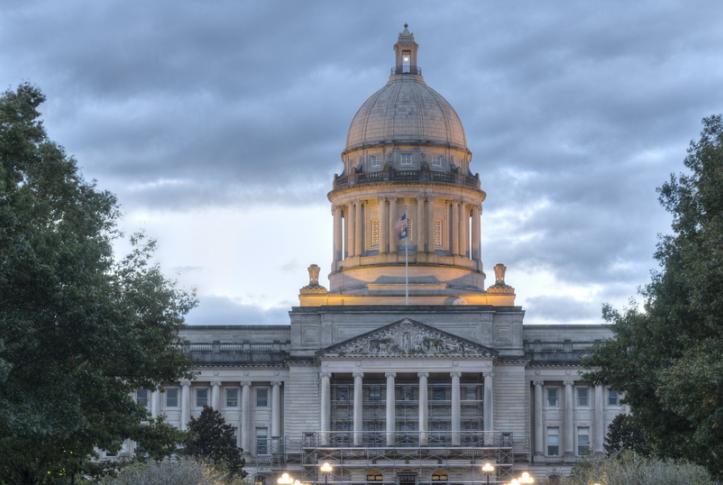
[142, 397]
[201, 397]
[583, 440]
[613, 398]
[232, 398]
[583, 397]
[172, 397]
[375, 476]
[439, 476]
[262, 441]
[262, 397]
[405, 160]
[406, 61]
[553, 398]
[553, 441]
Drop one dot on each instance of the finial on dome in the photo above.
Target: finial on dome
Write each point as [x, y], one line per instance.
[406, 26]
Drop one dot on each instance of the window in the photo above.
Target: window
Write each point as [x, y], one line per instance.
[553, 397]
[231, 398]
[262, 397]
[374, 162]
[262, 442]
[439, 393]
[142, 397]
[172, 397]
[406, 61]
[201, 397]
[583, 440]
[405, 160]
[613, 398]
[375, 393]
[583, 397]
[375, 476]
[439, 476]
[437, 234]
[553, 441]
[438, 161]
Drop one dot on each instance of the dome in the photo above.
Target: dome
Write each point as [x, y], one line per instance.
[406, 110]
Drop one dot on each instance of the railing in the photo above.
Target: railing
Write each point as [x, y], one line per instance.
[564, 351]
[237, 353]
[407, 439]
[390, 174]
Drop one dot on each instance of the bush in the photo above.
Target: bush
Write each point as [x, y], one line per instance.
[630, 468]
[175, 471]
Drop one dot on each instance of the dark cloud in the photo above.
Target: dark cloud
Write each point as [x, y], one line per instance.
[219, 310]
[559, 308]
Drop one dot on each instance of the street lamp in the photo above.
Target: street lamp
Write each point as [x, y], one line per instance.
[514, 481]
[526, 478]
[285, 479]
[487, 469]
[326, 469]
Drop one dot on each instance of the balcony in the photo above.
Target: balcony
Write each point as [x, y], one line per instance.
[390, 174]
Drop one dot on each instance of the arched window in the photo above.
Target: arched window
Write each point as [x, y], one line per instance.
[439, 476]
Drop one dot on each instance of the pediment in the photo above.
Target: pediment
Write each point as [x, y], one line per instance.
[407, 338]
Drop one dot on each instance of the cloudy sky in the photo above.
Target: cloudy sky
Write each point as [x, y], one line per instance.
[219, 126]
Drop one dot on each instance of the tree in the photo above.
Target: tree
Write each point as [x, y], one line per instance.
[79, 330]
[211, 439]
[668, 356]
[625, 434]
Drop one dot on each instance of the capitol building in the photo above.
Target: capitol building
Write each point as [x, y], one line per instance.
[414, 367]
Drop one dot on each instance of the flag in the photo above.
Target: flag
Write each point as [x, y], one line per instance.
[401, 226]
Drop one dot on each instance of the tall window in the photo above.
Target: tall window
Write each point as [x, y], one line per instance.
[553, 441]
[201, 397]
[406, 61]
[231, 398]
[405, 160]
[142, 397]
[262, 442]
[171, 397]
[374, 162]
[583, 397]
[553, 397]
[262, 397]
[613, 398]
[583, 440]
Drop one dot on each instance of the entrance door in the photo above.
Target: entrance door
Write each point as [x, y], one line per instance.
[406, 478]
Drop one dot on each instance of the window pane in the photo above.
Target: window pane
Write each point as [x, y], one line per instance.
[201, 397]
[171, 397]
[553, 441]
[583, 441]
[142, 397]
[613, 399]
[552, 398]
[262, 397]
[262, 446]
[231, 398]
[583, 397]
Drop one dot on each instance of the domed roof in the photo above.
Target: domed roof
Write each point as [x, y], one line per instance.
[406, 110]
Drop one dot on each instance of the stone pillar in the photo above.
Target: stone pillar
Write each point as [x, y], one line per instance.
[348, 228]
[383, 226]
[393, 236]
[337, 233]
[423, 407]
[463, 225]
[185, 403]
[325, 407]
[476, 221]
[488, 410]
[391, 409]
[569, 421]
[419, 229]
[456, 411]
[155, 404]
[351, 229]
[599, 420]
[454, 232]
[245, 420]
[215, 394]
[275, 416]
[430, 226]
[359, 230]
[358, 410]
[539, 420]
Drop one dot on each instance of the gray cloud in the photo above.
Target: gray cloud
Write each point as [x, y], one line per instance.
[219, 310]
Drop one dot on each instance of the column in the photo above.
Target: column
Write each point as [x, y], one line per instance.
[337, 233]
[347, 231]
[393, 236]
[325, 406]
[423, 407]
[456, 411]
[351, 228]
[419, 229]
[155, 403]
[476, 249]
[539, 420]
[358, 230]
[215, 394]
[489, 403]
[430, 226]
[185, 403]
[383, 225]
[358, 394]
[463, 224]
[391, 410]
[245, 420]
[599, 420]
[275, 416]
[568, 421]
[454, 232]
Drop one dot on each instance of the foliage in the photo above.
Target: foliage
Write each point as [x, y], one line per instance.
[625, 434]
[668, 357]
[177, 471]
[211, 439]
[630, 468]
[79, 330]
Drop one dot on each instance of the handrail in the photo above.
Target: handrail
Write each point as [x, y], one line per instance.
[390, 174]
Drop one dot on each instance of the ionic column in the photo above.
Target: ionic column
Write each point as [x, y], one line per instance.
[346, 216]
[539, 423]
[463, 223]
[245, 419]
[358, 230]
[393, 236]
[325, 406]
[350, 230]
[391, 403]
[215, 394]
[185, 403]
[456, 411]
[423, 407]
[599, 420]
[383, 225]
[489, 403]
[430, 226]
[275, 415]
[337, 233]
[454, 233]
[358, 410]
[476, 249]
[420, 224]
[568, 421]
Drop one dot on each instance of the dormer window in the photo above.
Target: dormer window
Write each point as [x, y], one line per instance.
[406, 61]
[405, 160]
[438, 161]
[374, 162]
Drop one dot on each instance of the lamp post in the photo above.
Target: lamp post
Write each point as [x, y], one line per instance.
[285, 479]
[487, 469]
[526, 478]
[514, 481]
[326, 469]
